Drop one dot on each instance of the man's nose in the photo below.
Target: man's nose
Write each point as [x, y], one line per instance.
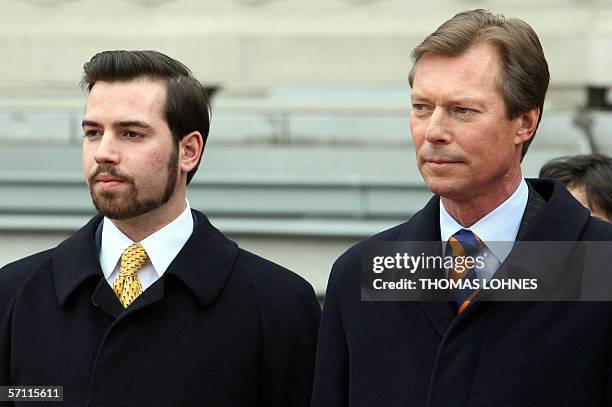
[107, 150]
[436, 131]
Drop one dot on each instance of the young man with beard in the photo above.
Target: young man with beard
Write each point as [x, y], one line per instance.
[148, 304]
[478, 86]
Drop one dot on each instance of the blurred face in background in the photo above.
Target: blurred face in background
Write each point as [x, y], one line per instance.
[130, 159]
[579, 192]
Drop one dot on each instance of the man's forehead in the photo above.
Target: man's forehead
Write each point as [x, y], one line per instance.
[472, 71]
[139, 94]
[140, 84]
[478, 54]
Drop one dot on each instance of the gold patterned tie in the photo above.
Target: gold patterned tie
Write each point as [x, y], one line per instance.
[127, 285]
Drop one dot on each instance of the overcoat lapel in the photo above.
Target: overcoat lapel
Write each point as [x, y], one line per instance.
[424, 226]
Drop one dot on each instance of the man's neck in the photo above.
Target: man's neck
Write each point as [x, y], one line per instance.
[140, 227]
[470, 210]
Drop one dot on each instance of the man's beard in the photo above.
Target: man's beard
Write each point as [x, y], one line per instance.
[120, 207]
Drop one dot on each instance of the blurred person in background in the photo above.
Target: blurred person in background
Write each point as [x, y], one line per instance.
[149, 304]
[588, 178]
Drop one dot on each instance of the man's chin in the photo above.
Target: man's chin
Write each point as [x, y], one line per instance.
[119, 208]
[114, 213]
[447, 189]
[112, 207]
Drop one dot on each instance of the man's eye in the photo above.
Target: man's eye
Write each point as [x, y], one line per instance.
[92, 133]
[131, 134]
[419, 107]
[462, 110]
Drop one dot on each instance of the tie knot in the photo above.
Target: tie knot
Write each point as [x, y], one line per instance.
[133, 259]
[465, 243]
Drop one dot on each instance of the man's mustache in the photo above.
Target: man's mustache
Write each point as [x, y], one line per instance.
[110, 170]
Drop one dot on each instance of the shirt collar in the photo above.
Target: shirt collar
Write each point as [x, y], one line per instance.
[500, 225]
[161, 247]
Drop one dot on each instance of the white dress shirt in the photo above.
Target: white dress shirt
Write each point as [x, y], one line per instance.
[161, 247]
[500, 225]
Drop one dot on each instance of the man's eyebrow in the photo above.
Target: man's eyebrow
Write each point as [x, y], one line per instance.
[90, 123]
[465, 100]
[455, 101]
[125, 123]
[132, 123]
[419, 97]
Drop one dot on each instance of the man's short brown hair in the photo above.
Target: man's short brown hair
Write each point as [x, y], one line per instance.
[524, 75]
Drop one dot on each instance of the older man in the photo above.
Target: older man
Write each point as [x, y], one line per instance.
[478, 87]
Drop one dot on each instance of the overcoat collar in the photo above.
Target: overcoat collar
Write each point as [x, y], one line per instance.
[203, 264]
[563, 218]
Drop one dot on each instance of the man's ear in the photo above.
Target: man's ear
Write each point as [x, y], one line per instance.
[191, 148]
[526, 125]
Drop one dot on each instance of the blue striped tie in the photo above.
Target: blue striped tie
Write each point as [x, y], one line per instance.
[461, 244]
